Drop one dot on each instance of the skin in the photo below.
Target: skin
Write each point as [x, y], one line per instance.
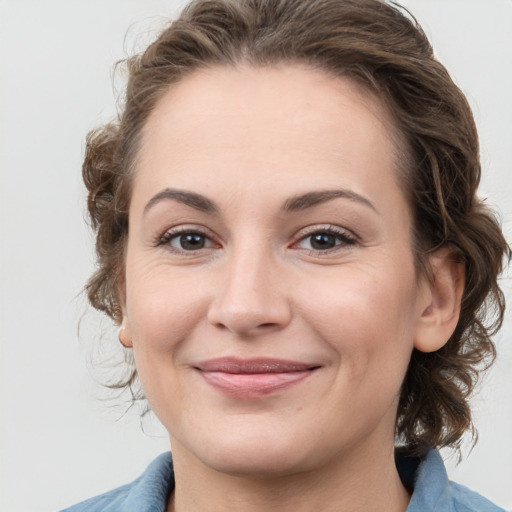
[256, 285]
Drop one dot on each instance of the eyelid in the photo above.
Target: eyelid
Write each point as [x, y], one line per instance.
[163, 239]
[348, 237]
[344, 235]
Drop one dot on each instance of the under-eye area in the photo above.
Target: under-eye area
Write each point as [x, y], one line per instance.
[324, 239]
[186, 239]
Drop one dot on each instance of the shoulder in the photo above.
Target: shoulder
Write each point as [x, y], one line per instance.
[148, 493]
[466, 500]
[110, 501]
[434, 492]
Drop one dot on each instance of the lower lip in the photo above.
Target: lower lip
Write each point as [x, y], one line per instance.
[253, 385]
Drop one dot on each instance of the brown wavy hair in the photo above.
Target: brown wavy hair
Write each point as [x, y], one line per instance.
[381, 47]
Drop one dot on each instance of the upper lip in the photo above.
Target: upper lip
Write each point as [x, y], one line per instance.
[249, 366]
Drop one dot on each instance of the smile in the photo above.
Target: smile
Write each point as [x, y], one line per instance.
[253, 378]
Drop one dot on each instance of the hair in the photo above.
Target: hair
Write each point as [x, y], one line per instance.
[381, 47]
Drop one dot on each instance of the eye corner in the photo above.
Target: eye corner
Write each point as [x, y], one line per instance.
[186, 240]
[324, 239]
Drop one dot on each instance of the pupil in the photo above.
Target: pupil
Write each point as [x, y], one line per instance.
[323, 241]
[192, 241]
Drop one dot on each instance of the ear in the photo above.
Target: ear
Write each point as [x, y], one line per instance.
[125, 335]
[441, 307]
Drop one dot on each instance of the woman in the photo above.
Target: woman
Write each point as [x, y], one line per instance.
[289, 238]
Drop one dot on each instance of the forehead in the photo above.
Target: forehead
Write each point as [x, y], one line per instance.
[236, 123]
[296, 95]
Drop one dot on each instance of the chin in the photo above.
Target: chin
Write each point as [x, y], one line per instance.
[242, 452]
[255, 454]
[257, 463]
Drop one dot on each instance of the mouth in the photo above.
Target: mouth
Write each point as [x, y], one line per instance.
[253, 378]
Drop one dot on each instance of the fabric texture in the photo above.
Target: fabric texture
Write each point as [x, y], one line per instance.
[148, 493]
[432, 491]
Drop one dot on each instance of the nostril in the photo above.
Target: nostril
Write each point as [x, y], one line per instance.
[249, 315]
[220, 325]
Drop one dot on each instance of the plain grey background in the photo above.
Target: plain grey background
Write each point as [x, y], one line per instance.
[60, 439]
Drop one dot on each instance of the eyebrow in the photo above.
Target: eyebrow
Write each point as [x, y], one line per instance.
[310, 199]
[192, 199]
[296, 203]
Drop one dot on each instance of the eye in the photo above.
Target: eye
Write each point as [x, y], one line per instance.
[324, 240]
[186, 240]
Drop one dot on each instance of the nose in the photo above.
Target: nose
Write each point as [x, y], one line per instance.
[252, 297]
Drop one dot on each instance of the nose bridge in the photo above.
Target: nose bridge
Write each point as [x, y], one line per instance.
[251, 297]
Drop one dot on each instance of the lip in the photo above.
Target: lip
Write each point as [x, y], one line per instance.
[253, 378]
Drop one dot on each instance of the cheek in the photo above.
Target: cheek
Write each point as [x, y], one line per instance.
[162, 312]
[161, 308]
[367, 318]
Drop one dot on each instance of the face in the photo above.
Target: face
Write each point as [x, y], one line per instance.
[271, 296]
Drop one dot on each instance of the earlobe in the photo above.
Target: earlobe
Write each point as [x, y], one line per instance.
[124, 335]
[440, 312]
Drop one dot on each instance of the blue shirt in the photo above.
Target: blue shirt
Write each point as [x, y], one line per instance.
[427, 478]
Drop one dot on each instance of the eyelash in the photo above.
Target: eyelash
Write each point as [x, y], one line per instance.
[344, 237]
[169, 236]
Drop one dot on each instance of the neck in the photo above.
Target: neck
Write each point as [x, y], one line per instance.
[350, 483]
